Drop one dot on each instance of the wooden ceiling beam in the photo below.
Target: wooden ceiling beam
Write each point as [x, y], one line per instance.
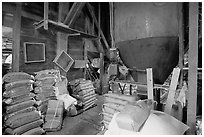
[97, 25]
[74, 13]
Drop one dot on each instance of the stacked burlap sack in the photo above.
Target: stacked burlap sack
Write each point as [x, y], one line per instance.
[44, 87]
[51, 91]
[85, 92]
[114, 103]
[21, 116]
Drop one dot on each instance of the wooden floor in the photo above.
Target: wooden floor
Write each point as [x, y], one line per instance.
[87, 123]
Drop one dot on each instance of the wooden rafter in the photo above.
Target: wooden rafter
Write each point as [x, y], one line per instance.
[97, 25]
[181, 43]
[74, 13]
[59, 26]
[46, 9]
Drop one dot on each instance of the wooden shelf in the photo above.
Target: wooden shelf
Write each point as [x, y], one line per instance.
[63, 28]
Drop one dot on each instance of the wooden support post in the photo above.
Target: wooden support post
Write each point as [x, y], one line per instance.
[149, 84]
[158, 97]
[172, 90]
[60, 10]
[62, 38]
[101, 72]
[111, 24]
[99, 24]
[86, 59]
[181, 44]
[101, 54]
[46, 11]
[16, 37]
[193, 64]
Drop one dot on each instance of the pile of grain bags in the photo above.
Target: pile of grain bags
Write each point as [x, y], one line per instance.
[44, 87]
[85, 92]
[114, 103]
[19, 106]
[54, 115]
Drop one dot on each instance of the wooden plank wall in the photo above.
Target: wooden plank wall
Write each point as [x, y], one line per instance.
[76, 51]
[76, 48]
[29, 34]
[75, 45]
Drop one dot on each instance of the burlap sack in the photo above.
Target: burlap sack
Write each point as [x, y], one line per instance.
[16, 76]
[26, 110]
[22, 129]
[86, 91]
[89, 104]
[20, 106]
[18, 99]
[45, 82]
[17, 91]
[19, 83]
[22, 119]
[115, 101]
[121, 97]
[112, 108]
[35, 131]
[39, 90]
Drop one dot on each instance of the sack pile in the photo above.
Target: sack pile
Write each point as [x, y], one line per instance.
[54, 115]
[85, 92]
[19, 105]
[114, 103]
[44, 87]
